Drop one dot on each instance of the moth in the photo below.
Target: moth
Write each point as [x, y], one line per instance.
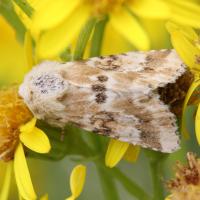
[115, 96]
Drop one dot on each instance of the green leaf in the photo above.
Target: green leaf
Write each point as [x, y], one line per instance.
[7, 10]
[66, 54]
[72, 143]
[25, 6]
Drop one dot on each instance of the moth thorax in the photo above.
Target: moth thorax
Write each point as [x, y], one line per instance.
[173, 94]
[49, 83]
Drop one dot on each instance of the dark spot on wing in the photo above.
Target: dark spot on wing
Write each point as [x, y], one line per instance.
[98, 88]
[79, 125]
[104, 116]
[103, 121]
[101, 98]
[150, 96]
[150, 86]
[102, 78]
[155, 59]
[114, 57]
[58, 119]
[62, 98]
[104, 131]
[123, 54]
[106, 64]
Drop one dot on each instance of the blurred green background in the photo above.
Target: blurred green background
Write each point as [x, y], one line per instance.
[53, 177]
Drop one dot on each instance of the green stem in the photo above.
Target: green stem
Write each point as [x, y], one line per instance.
[156, 162]
[128, 184]
[97, 38]
[83, 38]
[99, 143]
[25, 6]
[108, 184]
[94, 141]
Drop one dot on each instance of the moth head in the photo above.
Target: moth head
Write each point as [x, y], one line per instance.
[41, 87]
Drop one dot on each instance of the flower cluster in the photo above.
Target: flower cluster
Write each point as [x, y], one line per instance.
[57, 25]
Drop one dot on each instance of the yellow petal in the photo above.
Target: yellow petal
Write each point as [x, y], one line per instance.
[6, 184]
[20, 196]
[184, 48]
[150, 9]
[194, 85]
[12, 59]
[28, 50]
[185, 12]
[194, 101]
[152, 27]
[77, 180]
[116, 150]
[187, 31]
[129, 27]
[169, 197]
[70, 198]
[113, 42]
[36, 140]
[37, 56]
[197, 124]
[45, 197]
[52, 13]
[132, 153]
[22, 175]
[28, 127]
[55, 40]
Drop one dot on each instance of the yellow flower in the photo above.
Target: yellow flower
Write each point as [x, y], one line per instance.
[118, 149]
[17, 126]
[186, 185]
[62, 20]
[186, 43]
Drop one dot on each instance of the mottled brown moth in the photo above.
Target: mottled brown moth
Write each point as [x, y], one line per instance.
[115, 96]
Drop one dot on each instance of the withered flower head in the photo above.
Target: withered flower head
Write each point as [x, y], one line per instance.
[173, 94]
[186, 185]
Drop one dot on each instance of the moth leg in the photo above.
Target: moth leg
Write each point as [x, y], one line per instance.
[63, 134]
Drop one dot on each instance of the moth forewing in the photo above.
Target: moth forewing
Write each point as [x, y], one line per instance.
[115, 96]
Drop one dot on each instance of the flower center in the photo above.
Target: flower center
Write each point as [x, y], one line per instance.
[13, 114]
[100, 7]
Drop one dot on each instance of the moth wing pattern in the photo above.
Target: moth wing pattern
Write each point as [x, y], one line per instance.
[115, 96]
